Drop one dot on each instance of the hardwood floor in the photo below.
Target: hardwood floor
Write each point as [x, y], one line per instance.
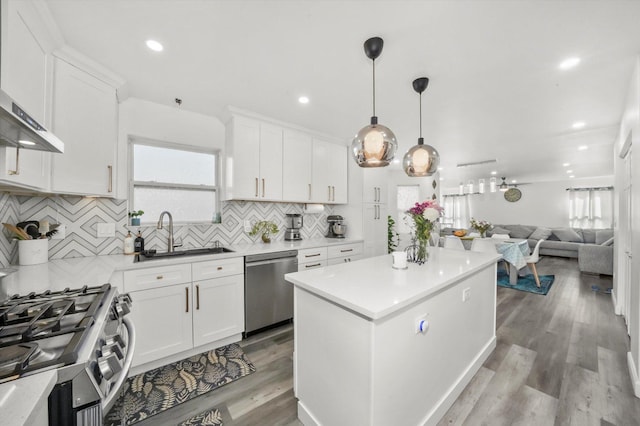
[560, 359]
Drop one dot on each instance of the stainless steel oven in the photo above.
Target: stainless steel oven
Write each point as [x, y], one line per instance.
[83, 334]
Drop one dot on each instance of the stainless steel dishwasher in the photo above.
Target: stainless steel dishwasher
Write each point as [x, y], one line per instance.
[268, 298]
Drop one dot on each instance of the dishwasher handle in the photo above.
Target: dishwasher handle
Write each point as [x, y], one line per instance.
[254, 259]
[272, 261]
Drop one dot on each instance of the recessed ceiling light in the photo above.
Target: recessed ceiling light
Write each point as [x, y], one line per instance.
[440, 169]
[569, 63]
[569, 171]
[154, 45]
[566, 164]
[572, 176]
[29, 143]
[303, 100]
[578, 125]
[583, 148]
[493, 172]
[441, 178]
[514, 181]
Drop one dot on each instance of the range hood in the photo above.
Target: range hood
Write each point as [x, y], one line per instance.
[18, 129]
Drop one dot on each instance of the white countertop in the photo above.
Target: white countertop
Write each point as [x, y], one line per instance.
[373, 289]
[21, 400]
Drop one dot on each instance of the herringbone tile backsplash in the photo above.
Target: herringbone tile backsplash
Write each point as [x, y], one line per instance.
[81, 216]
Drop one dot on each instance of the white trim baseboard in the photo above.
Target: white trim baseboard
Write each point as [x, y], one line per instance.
[616, 307]
[633, 372]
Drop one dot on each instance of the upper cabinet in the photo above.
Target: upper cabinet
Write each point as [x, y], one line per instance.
[269, 161]
[254, 160]
[25, 74]
[85, 117]
[375, 185]
[329, 173]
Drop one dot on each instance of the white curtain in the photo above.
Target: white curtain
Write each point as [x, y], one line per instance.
[457, 211]
[591, 208]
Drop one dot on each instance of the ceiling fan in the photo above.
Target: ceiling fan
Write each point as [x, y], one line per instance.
[505, 186]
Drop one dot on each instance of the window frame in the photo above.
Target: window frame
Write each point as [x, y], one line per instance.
[136, 140]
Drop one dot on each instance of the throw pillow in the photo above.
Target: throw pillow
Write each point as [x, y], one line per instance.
[498, 230]
[540, 234]
[567, 235]
[520, 231]
[609, 242]
[603, 235]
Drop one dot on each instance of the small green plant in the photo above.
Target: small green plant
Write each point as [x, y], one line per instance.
[393, 238]
[136, 213]
[266, 228]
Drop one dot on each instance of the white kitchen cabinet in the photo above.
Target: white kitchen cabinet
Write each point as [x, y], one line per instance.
[296, 166]
[329, 173]
[344, 253]
[163, 321]
[312, 258]
[375, 185]
[254, 160]
[178, 308]
[374, 229]
[85, 117]
[25, 74]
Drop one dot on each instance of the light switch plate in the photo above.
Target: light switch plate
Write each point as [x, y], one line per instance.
[106, 230]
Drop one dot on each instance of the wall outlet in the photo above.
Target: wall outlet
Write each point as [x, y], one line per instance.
[466, 294]
[106, 230]
[61, 232]
[247, 226]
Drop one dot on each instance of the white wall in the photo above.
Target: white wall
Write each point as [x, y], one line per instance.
[542, 204]
[150, 120]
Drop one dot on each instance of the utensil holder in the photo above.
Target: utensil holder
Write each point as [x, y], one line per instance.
[33, 252]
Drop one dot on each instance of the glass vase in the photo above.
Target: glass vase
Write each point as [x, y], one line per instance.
[417, 251]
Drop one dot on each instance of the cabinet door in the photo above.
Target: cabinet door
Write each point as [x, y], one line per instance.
[296, 167]
[346, 259]
[320, 183]
[270, 162]
[312, 265]
[337, 173]
[162, 317]
[374, 224]
[85, 118]
[243, 151]
[375, 185]
[218, 309]
[25, 69]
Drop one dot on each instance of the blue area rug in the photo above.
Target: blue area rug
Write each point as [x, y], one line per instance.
[527, 283]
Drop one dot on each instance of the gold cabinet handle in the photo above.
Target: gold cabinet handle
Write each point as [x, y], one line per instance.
[219, 268]
[313, 265]
[329, 196]
[197, 297]
[186, 289]
[309, 192]
[333, 193]
[263, 188]
[256, 187]
[312, 255]
[346, 250]
[110, 184]
[159, 277]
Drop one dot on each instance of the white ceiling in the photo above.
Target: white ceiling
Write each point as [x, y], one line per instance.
[495, 92]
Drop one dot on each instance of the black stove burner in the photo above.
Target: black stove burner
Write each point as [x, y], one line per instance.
[40, 330]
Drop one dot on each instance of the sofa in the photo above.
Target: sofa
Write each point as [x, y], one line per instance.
[592, 247]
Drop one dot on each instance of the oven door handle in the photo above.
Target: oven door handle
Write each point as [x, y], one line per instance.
[115, 390]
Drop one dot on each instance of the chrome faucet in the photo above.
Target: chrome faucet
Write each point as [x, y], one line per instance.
[170, 245]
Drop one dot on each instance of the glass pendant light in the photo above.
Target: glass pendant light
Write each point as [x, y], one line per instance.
[374, 145]
[421, 160]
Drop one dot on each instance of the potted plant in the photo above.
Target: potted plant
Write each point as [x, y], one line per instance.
[135, 217]
[264, 227]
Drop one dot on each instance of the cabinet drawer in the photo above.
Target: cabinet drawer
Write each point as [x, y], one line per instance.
[312, 265]
[345, 250]
[217, 268]
[161, 276]
[312, 255]
[345, 259]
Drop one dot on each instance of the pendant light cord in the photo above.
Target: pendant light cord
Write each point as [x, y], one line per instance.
[374, 87]
[420, 114]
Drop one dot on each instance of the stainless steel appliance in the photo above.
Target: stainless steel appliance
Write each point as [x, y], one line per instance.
[82, 333]
[268, 298]
[294, 223]
[337, 227]
[19, 129]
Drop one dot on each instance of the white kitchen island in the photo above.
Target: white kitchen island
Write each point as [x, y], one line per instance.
[359, 358]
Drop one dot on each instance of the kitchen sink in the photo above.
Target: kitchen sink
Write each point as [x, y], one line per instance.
[152, 254]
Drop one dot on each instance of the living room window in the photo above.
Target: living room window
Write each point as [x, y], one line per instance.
[591, 207]
[457, 211]
[180, 179]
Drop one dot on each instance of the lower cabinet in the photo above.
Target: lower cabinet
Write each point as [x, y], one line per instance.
[344, 253]
[312, 258]
[181, 307]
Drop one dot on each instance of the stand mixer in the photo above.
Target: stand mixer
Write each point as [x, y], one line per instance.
[337, 228]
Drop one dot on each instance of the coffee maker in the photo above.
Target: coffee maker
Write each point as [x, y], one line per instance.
[294, 223]
[337, 228]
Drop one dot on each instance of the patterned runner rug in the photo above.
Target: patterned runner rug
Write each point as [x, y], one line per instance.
[208, 418]
[157, 390]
